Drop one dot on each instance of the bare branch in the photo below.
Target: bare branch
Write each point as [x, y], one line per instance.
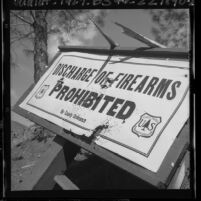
[45, 13]
[75, 18]
[22, 37]
[22, 19]
[31, 12]
[17, 24]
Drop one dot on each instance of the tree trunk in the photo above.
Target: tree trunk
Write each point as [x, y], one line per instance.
[40, 44]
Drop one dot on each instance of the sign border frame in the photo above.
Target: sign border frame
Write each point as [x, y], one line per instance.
[103, 136]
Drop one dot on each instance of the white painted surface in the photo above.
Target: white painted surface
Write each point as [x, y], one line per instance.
[148, 131]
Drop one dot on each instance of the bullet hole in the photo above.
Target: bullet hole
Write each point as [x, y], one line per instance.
[107, 83]
[97, 131]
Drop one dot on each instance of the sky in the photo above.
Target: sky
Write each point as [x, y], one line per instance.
[22, 75]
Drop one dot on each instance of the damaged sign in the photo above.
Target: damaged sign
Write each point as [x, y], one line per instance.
[137, 98]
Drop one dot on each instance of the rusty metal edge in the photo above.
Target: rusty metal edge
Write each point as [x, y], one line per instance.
[128, 51]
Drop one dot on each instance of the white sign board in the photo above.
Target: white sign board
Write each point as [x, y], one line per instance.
[139, 104]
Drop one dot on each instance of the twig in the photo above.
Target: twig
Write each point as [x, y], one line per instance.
[32, 15]
[75, 18]
[45, 13]
[20, 38]
[17, 24]
[22, 19]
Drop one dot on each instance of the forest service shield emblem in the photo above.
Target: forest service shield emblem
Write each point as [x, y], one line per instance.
[146, 126]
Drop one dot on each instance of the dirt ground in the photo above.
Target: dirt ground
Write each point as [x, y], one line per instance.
[26, 150]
